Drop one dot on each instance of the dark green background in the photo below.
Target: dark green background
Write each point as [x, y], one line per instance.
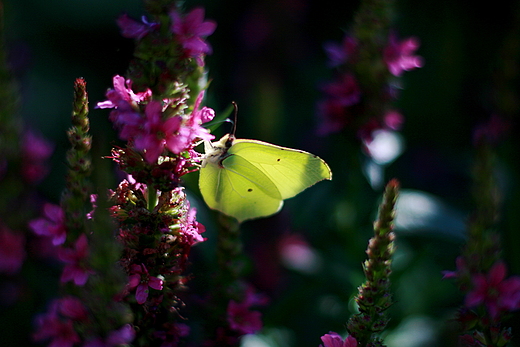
[268, 57]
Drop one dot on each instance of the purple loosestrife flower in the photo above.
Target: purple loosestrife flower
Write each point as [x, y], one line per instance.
[52, 224]
[241, 318]
[141, 280]
[76, 269]
[399, 57]
[122, 336]
[35, 151]
[332, 339]
[494, 291]
[12, 250]
[339, 54]
[190, 32]
[133, 29]
[53, 326]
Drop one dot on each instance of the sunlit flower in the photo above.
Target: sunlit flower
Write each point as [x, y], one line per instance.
[494, 291]
[52, 224]
[333, 339]
[141, 280]
[77, 269]
[157, 134]
[12, 250]
[399, 57]
[191, 30]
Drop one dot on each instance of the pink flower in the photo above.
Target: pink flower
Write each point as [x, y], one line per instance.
[191, 30]
[72, 308]
[51, 326]
[141, 280]
[157, 134]
[35, 151]
[399, 57]
[239, 316]
[123, 93]
[332, 339]
[122, 336]
[77, 269]
[12, 250]
[340, 53]
[52, 224]
[133, 29]
[190, 228]
[494, 291]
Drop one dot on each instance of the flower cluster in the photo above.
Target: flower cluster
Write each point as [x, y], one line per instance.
[333, 339]
[347, 98]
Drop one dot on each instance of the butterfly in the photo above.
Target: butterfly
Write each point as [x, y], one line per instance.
[248, 179]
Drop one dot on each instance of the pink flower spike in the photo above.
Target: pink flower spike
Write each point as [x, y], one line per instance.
[52, 224]
[333, 339]
[76, 269]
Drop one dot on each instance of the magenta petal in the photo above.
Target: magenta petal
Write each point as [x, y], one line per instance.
[141, 294]
[155, 283]
[497, 273]
[134, 280]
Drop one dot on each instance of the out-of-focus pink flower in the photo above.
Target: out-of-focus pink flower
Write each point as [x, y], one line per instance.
[241, 318]
[340, 53]
[35, 152]
[141, 280]
[191, 30]
[340, 95]
[494, 291]
[399, 57]
[59, 330]
[133, 29]
[333, 339]
[52, 224]
[77, 269]
[12, 250]
[72, 308]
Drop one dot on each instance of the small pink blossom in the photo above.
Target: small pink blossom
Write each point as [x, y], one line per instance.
[12, 250]
[241, 318]
[190, 228]
[72, 308]
[58, 329]
[141, 280]
[333, 339]
[123, 94]
[133, 29]
[77, 269]
[494, 291]
[52, 224]
[36, 150]
[340, 53]
[399, 57]
[191, 30]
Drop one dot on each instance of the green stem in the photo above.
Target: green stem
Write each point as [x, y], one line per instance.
[152, 198]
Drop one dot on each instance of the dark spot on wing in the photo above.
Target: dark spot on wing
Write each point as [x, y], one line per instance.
[278, 159]
[250, 190]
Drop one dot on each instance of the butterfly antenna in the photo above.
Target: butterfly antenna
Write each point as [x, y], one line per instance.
[236, 117]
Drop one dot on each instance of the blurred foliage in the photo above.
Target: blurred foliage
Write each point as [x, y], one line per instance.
[268, 57]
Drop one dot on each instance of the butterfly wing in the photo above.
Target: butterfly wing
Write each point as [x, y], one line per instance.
[239, 189]
[291, 170]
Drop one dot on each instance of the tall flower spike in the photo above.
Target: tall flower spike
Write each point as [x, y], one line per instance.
[374, 295]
